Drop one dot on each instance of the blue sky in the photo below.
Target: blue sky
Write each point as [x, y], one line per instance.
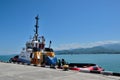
[68, 23]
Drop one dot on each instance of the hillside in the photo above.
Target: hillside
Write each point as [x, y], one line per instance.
[103, 49]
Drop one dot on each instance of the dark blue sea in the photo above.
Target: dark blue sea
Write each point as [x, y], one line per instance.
[110, 62]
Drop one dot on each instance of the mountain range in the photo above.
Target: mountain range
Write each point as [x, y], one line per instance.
[113, 48]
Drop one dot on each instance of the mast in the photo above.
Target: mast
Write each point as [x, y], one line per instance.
[36, 28]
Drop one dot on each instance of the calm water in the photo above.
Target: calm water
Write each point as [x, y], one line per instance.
[110, 62]
[5, 58]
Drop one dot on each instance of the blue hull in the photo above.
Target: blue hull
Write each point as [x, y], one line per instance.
[23, 61]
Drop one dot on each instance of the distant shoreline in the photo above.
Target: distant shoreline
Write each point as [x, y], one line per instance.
[62, 54]
[82, 53]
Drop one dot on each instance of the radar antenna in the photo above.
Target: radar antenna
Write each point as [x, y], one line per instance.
[36, 28]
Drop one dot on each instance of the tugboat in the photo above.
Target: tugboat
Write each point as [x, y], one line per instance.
[35, 52]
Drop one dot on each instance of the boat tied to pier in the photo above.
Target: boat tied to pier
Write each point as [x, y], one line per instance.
[37, 53]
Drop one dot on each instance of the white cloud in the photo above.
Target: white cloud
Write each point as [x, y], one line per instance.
[99, 43]
[84, 45]
[68, 46]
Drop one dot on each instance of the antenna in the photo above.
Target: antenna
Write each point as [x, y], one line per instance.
[50, 44]
[36, 28]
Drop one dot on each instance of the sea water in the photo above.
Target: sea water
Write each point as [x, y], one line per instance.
[6, 58]
[110, 62]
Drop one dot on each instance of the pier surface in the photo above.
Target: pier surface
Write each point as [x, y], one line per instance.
[9, 71]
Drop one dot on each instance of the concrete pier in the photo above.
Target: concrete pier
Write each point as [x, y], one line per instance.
[9, 71]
